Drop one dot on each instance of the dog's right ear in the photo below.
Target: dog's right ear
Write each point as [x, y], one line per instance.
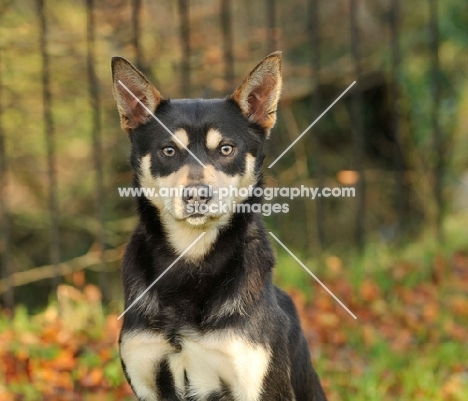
[131, 90]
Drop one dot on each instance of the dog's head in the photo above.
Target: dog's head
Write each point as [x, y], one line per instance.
[191, 151]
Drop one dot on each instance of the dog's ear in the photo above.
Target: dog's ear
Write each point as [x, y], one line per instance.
[129, 84]
[259, 93]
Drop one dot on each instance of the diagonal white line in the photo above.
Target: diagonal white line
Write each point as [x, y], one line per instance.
[311, 125]
[313, 275]
[160, 122]
[162, 274]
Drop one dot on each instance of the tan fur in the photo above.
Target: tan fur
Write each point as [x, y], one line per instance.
[213, 138]
[183, 139]
[259, 94]
[249, 177]
[183, 231]
[181, 235]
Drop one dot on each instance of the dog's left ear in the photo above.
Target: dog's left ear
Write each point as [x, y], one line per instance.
[259, 93]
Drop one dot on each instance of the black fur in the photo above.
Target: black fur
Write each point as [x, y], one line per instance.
[199, 295]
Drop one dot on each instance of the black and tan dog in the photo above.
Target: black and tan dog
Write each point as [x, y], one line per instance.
[214, 327]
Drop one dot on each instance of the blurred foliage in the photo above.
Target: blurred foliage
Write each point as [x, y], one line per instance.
[408, 290]
[66, 352]
[21, 108]
[408, 341]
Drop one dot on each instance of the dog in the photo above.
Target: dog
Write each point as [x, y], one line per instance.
[213, 327]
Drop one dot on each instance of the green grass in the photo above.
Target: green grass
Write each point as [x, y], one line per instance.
[433, 363]
[408, 343]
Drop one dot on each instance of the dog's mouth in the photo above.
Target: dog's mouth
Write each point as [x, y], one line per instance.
[205, 219]
[196, 215]
[199, 215]
[198, 219]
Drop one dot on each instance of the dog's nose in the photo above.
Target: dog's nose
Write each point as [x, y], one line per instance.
[197, 194]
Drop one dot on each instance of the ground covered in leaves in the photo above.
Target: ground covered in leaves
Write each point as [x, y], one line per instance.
[409, 340]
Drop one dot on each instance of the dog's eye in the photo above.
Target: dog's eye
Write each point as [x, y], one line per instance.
[168, 151]
[226, 150]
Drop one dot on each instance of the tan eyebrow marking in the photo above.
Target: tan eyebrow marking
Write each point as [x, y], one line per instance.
[213, 138]
[182, 136]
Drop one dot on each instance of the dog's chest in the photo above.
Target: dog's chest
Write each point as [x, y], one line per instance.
[203, 365]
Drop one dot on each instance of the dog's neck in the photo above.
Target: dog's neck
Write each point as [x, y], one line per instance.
[239, 246]
[194, 243]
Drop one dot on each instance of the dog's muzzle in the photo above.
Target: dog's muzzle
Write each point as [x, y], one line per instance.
[197, 194]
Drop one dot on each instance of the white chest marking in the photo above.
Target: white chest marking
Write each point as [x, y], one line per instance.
[206, 360]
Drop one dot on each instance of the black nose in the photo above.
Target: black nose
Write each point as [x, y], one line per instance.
[197, 194]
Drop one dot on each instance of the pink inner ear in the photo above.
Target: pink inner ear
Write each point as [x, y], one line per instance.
[139, 114]
[134, 111]
[130, 101]
[259, 99]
